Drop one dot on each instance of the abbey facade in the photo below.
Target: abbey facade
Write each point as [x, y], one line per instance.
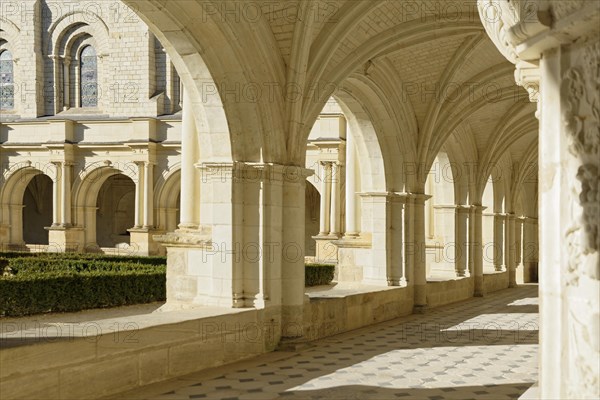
[91, 148]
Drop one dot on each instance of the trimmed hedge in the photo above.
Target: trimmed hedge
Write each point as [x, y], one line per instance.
[33, 285]
[318, 274]
[154, 260]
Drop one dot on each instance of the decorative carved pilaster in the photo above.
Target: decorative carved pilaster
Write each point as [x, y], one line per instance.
[581, 115]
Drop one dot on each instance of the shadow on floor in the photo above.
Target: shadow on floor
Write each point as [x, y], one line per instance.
[361, 392]
[482, 348]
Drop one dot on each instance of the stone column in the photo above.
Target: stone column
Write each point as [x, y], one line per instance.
[139, 187]
[66, 83]
[460, 240]
[65, 179]
[476, 242]
[420, 272]
[499, 227]
[351, 174]
[519, 250]
[409, 245]
[148, 195]
[470, 237]
[325, 198]
[57, 65]
[189, 214]
[56, 191]
[335, 199]
[511, 259]
[395, 242]
[62, 235]
[292, 266]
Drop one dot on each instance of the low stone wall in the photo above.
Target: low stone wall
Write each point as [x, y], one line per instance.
[95, 366]
[494, 281]
[440, 293]
[327, 316]
[100, 360]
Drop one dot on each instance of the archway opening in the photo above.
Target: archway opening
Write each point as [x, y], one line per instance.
[37, 210]
[487, 227]
[311, 219]
[115, 211]
[440, 215]
[325, 190]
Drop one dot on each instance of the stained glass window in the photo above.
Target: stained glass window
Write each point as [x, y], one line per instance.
[89, 77]
[7, 84]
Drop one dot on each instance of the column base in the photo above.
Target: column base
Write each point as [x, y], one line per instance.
[352, 253]
[187, 227]
[142, 241]
[292, 322]
[478, 290]
[65, 239]
[326, 250]
[196, 271]
[293, 344]
[420, 308]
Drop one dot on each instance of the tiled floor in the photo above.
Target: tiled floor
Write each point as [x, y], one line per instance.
[484, 348]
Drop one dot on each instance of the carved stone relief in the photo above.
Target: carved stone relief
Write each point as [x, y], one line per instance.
[581, 105]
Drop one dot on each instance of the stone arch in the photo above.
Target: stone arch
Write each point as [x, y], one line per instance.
[375, 172]
[115, 215]
[166, 196]
[38, 210]
[68, 36]
[72, 24]
[383, 43]
[221, 75]
[12, 191]
[11, 34]
[462, 154]
[85, 194]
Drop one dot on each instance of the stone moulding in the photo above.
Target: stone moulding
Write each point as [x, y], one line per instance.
[201, 238]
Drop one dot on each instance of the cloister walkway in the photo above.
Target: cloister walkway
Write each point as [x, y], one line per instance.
[483, 348]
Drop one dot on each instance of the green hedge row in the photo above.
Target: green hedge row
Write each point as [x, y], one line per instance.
[154, 260]
[318, 274]
[40, 283]
[26, 265]
[33, 285]
[37, 293]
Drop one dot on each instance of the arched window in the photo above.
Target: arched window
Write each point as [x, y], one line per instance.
[89, 77]
[7, 84]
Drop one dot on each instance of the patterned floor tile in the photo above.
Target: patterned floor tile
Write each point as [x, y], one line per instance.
[484, 348]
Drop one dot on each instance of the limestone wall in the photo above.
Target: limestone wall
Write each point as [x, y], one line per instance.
[332, 315]
[46, 38]
[449, 291]
[493, 282]
[126, 354]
